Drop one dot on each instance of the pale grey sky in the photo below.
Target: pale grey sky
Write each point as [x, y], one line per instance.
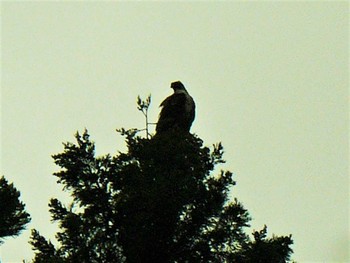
[270, 80]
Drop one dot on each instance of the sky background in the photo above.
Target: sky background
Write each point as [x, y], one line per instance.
[270, 80]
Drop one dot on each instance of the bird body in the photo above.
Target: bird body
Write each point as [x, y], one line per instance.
[178, 110]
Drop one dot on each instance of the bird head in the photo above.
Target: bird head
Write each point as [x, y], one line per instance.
[178, 87]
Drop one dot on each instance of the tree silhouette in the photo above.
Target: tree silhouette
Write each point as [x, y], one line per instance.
[13, 216]
[160, 201]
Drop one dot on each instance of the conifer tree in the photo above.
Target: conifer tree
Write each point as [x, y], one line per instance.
[13, 217]
[160, 201]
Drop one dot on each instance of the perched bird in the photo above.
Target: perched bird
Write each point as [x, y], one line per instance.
[178, 110]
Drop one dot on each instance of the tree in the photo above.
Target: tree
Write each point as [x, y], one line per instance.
[158, 202]
[13, 217]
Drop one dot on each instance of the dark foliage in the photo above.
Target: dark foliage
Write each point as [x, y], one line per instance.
[158, 202]
[13, 216]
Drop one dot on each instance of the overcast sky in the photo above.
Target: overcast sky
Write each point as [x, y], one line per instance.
[269, 79]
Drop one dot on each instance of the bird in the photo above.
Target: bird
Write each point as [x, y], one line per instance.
[178, 110]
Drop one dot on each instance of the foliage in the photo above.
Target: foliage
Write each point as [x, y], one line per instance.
[13, 216]
[157, 201]
[143, 106]
[160, 201]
